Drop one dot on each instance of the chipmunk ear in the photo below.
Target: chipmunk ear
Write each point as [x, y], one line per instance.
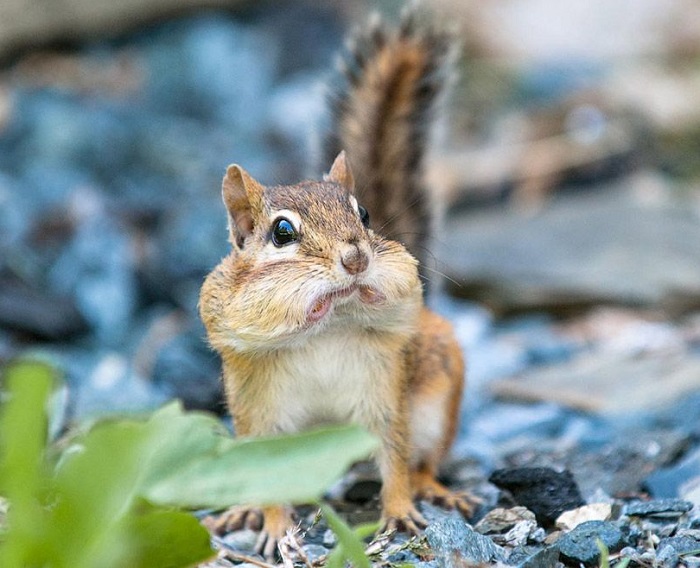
[243, 198]
[341, 173]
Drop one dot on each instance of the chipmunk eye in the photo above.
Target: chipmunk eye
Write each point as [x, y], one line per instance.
[283, 232]
[364, 215]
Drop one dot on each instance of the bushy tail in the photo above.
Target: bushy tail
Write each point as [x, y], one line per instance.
[381, 108]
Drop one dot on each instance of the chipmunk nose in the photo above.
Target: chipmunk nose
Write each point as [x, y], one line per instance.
[354, 259]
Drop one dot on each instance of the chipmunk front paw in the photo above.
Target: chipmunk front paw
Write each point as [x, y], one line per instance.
[411, 522]
[427, 488]
[277, 521]
[272, 522]
[234, 519]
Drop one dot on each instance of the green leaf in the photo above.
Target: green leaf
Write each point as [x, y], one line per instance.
[336, 559]
[96, 487]
[604, 554]
[89, 511]
[349, 544]
[85, 514]
[366, 530]
[196, 466]
[166, 539]
[23, 432]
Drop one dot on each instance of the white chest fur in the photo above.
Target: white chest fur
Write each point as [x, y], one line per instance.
[335, 378]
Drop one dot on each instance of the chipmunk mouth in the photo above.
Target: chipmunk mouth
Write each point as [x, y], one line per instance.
[321, 305]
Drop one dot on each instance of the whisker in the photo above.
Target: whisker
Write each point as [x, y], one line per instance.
[398, 214]
[440, 273]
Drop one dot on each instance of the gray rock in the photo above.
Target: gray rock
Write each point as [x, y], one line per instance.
[580, 545]
[658, 507]
[620, 465]
[185, 368]
[314, 551]
[521, 553]
[545, 558]
[454, 542]
[104, 383]
[97, 270]
[243, 540]
[669, 550]
[609, 247]
[671, 481]
[681, 544]
[192, 240]
[604, 382]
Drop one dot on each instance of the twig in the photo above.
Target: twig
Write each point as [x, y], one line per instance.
[290, 544]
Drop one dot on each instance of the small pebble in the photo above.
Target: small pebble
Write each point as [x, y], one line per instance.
[569, 520]
[329, 539]
[314, 551]
[500, 520]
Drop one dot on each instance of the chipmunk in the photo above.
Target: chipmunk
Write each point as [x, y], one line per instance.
[317, 312]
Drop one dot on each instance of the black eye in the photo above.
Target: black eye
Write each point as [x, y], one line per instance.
[283, 232]
[364, 216]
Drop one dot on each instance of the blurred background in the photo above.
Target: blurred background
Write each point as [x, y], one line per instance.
[569, 166]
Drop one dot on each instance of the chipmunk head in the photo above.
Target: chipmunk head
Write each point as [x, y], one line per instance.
[303, 260]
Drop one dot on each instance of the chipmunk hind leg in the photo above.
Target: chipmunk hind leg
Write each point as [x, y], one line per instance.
[436, 396]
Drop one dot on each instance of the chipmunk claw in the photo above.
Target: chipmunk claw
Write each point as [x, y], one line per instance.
[266, 545]
[412, 523]
[234, 519]
[427, 488]
[464, 502]
[277, 521]
[461, 501]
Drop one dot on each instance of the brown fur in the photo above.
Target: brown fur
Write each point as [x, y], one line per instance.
[381, 109]
[331, 326]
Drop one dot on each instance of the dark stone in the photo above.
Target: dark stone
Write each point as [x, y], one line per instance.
[363, 491]
[546, 492]
[402, 557]
[658, 507]
[38, 313]
[453, 541]
[580, 545]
